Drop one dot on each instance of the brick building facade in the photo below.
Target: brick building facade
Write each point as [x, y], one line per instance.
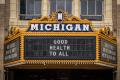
[9, 16]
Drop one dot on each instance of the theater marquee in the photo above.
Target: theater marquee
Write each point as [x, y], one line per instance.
[60, 39]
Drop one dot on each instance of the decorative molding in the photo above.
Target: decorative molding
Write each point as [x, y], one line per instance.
[52, 17]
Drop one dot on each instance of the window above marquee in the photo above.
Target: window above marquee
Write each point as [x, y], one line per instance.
[30, 9]
[92, 9]
[65, 5]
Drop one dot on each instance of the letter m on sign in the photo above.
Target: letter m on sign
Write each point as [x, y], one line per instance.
[34, 27]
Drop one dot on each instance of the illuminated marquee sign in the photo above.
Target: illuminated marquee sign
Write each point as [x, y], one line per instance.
[12, 50]
[72, 48]
[60, 27]
[54, 47]
[108, 51]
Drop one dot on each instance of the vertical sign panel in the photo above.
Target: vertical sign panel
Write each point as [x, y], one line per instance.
[108, 51]
[12, 51]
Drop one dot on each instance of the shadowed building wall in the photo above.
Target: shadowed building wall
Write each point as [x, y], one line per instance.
[4, 24]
